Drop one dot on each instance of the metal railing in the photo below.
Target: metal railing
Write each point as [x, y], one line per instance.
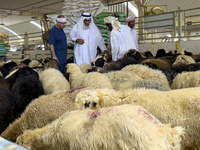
[178, 26]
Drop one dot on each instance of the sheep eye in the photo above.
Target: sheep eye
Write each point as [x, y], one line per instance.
[87, 104]
[94, 104]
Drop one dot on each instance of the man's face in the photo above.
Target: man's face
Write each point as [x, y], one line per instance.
[131, 24]
[61, 25]
[109, 26]
[87, 21]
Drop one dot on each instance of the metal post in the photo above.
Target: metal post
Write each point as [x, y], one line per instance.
[127, 8]
[179, 24]
[174, 24]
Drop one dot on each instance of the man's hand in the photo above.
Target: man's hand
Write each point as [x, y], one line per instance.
[55, 58]
[80, 41]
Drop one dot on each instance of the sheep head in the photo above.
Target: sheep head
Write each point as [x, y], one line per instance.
[88, 99]
[73, 69]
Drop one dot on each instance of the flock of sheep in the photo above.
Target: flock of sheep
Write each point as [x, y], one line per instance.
[140, 102]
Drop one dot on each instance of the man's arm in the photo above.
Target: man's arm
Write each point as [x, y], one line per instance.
[73, 36]
[51, 46]
[114, 46]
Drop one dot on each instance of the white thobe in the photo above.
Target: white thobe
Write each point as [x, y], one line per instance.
[83, 53]
[116, 41]
[130, 38]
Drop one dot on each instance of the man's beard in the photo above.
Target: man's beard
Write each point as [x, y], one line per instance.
[86, 27]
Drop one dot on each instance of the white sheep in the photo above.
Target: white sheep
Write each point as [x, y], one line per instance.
[126, 127]
[78, 79]
[34, 63]
[119, 77]
[184, 59]
[179, 107]
[84, 68]
[147, 73]
[53, 81]
[41, 112]
[147, 84]
[186, 80]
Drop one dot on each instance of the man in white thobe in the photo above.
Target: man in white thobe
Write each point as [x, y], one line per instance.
[129, 34]
[86, 37]
[115, 37]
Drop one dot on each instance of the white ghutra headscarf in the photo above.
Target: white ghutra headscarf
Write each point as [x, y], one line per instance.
[114, 22]
[94, 34]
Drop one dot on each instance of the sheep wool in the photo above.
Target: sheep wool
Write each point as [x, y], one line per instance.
[34, 63]
[147, 73]
[186, 80]
[147, 84]
[42, 111]
[125, 127]
[84, 68]
[78, 79]
[53, 81]
[119, 77]
[179, 107]
[184, 59]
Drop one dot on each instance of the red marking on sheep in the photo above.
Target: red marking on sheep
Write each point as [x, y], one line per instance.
[73, 90]
[97, 113]
[143, 112]
[94, 114]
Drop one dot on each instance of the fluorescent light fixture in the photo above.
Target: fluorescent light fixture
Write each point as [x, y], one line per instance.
[36, 24]
[132, 8]
[13, 32]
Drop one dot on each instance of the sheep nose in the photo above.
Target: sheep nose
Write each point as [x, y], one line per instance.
[87, 104]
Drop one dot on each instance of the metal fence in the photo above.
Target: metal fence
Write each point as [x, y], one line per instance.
[180, 25]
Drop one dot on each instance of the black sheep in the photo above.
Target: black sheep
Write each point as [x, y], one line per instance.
[99, 61]
[118, 65]
[148, 54]
[26, 88]
[5, 69]
[174, 70]
[135, 54]
[6, 108]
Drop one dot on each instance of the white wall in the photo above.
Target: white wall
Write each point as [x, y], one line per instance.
[190, 46]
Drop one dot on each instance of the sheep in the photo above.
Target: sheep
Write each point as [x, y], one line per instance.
[176, 69]
[186, 80]
[78, 79]
[34, 63]
[6, 108]
[147, 73]
[52, 64]
[99, 61]
[84, 68]
[135, 54]
[42, 111]
[70, 59]
[128, 127]
[26, 88]
[179, 107]
[12, 77]
[117, 65]
[184, 59]
[53, 81]
[148, 54]
[6, 68]
[162, 53]
[147, 84]
[119, 77]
